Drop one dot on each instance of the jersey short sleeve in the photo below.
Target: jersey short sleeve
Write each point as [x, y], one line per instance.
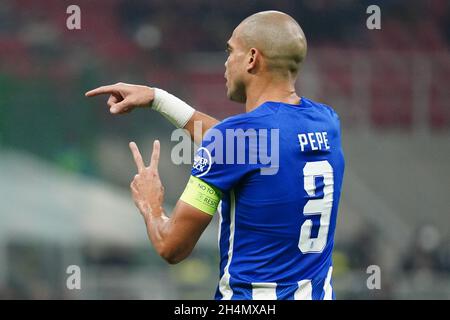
[220, 161]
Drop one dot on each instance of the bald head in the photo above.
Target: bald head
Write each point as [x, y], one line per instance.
[278, 37]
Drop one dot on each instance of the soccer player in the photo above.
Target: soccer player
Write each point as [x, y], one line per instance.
[277, 217]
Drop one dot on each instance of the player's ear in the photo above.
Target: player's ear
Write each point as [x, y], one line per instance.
[252, 60]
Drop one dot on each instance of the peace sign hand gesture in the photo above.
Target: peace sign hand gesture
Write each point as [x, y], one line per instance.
[146, 187]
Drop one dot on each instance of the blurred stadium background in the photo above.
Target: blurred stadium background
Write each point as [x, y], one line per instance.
[65, 166]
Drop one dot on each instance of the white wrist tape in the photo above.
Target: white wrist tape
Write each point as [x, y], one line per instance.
[172, 108]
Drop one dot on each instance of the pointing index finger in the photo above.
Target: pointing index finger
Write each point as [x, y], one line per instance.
[102, 90]
[137, 157]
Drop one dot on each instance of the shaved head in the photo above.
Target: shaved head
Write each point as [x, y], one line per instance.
[267, 46]
[279, 38]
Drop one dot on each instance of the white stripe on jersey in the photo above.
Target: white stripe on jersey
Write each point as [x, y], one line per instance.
[224, 283]
[264, 291]
[219, 234]
[304, 291]
[327, 286]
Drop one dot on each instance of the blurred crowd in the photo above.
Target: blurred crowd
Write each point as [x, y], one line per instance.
[420, 271]
[156, 33]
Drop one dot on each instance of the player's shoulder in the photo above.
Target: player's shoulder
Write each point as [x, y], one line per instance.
[321, 107]
[251, 119]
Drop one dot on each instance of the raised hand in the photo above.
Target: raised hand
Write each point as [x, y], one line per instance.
[146, 187]
[125, 97]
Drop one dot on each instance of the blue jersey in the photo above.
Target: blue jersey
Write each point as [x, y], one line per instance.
[280, 169]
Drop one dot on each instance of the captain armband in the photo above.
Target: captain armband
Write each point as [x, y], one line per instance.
[201, 195]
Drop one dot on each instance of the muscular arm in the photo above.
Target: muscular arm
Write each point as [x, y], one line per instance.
[204, 122]
[174, 237]
[125, 97]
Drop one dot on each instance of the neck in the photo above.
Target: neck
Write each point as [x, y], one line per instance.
[279, 90]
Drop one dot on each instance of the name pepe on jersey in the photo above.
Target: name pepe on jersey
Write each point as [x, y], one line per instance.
[239, 140]
[313, 141]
